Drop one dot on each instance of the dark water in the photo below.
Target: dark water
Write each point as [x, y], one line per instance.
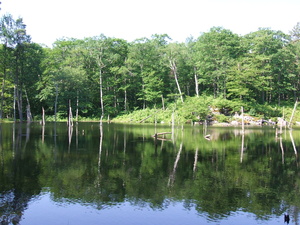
[53, 175]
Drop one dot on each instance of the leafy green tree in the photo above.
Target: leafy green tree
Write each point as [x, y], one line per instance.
[32, 70]
[216, 53]
[192, 63]
[6, 37]
[174, 54]
[116, 75]
[14, 36]
[284, 71]
[295, 49]
[6, 82]
[65, 77]
[46, 85]
[144, 62]
[195, 108]
[238, 82]
[139, 62]
[20, 41]
[108, 55]
[98, 50]
[263, 46]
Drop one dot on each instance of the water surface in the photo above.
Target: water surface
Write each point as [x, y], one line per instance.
[121, 174]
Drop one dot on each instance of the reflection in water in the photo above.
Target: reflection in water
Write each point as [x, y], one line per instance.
[196, 160]
[117, 214]
[282, 150]
[242, 147]
[12, 205]
[70, 134]
[100, 150]
[292, 139]
[172, 175]
[235, 175]
[43, 133]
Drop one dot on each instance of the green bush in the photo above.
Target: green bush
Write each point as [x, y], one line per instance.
[198, 108]
[222, 118]
[194, 108]
[226, 106]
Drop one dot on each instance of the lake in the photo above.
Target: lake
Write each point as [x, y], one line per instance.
[122, 174]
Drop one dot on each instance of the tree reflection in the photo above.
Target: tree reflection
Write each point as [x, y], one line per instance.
[12, 206]
[119, 163]
[19, 173]
[172, 175]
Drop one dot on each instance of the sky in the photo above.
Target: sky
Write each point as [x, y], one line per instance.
[48, 21]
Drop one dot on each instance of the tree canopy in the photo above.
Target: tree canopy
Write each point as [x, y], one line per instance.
[106, 76]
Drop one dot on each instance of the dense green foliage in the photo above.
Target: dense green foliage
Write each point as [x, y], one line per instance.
[105, 76]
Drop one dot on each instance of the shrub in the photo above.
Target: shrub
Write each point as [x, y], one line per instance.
[221, 118]
[226, 106]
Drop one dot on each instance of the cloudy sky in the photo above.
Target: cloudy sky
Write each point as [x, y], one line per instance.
[48, 21]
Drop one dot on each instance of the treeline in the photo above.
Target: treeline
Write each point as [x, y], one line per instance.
[104, 76]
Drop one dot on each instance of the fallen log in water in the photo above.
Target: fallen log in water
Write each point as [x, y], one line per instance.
[159, 134]
[156, 136]
[163, 133]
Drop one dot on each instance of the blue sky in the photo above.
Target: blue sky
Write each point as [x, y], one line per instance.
[48, 21]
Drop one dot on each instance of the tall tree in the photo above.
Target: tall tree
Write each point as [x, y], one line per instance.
[144, 61]
[263, 46]
[175, 53]
[217, 50]
[20, 40]
[285, 82]
[192, 62]
[65, 79]
[108, 56]
[32, 69]
[6, 37]
[115, 75]
[13, 35]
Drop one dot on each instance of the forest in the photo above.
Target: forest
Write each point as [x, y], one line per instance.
[108, 78]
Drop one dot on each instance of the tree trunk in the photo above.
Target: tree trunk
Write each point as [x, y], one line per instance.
[19, 103]
[43, 116]
[163, 102]
[55, 104]
[77, 105]
[28, 111]
[293, 113]
[14, 103]
[115, 98]
[243, 122]
[70, 119]
[125, 100]
[28, 114]
[174, 70]
[215, 88]
[196, 82]
[101, 95]
[4, 78]
[144, 102]
[2, 93]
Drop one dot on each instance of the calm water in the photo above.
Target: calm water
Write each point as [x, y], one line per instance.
[122, 175]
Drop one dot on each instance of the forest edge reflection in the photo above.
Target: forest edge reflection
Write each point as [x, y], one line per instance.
[255, 171]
